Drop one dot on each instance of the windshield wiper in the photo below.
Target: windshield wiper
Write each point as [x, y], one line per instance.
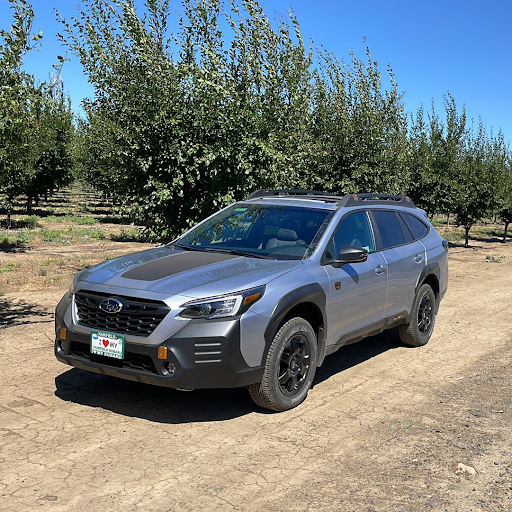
[186, 247]
[235, 252]
[220, 249]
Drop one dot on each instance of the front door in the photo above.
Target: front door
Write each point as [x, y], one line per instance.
[356, 291]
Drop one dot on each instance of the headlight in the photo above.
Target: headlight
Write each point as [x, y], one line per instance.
[225, 305]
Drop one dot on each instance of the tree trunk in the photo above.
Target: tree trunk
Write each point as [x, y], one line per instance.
[8, 218]
[29, 204]
[448, 220]
[505, 234]
[467, 228]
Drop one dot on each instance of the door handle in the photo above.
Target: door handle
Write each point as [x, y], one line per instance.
[418, 258]
[380, 269]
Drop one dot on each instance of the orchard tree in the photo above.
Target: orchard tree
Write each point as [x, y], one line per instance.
[19, 97]
[361, 127]
[180, 127]
[437, 149]
[501, 161]
[478, 181]
[53, 167]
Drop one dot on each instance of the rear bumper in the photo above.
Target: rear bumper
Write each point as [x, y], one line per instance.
[204, 354]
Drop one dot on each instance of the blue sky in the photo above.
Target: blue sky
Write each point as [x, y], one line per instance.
[433, 46]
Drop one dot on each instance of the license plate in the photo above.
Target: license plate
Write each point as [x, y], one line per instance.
[106, 344]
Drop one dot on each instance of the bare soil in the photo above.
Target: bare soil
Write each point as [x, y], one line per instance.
[383, 428]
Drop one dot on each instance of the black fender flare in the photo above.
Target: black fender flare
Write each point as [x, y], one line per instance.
[312, 293]
[431, 269]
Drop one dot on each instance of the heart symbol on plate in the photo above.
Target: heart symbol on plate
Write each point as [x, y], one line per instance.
[105, 343]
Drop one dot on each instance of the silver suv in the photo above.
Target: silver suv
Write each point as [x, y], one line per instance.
[258, 294]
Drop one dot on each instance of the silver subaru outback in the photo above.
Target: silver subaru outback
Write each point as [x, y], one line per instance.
[258, 294]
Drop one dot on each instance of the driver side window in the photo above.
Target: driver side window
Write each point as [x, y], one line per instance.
[353, 229]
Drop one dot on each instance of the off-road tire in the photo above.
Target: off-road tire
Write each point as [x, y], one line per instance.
[423, 318]
[289, 369]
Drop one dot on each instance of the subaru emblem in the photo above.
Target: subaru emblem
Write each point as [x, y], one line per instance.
[111, 305]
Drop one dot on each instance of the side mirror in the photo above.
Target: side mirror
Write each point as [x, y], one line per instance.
[350, 254]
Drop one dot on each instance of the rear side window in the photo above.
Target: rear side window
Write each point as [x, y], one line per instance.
[389, 228]
[418, 229]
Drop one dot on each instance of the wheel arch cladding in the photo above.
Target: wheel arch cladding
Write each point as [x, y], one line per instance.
[430, 276]
[308, 302]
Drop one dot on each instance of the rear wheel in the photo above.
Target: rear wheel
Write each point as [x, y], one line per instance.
[419, 330]
[289, 369]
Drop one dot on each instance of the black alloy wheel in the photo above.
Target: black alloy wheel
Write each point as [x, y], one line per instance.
[294, 365]
[423, 317]
[425, 314]
[289, 367]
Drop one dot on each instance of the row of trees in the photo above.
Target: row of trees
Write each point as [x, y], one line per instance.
[36, 125]
[181, 125]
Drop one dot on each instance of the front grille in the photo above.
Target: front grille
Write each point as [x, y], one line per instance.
[138, 317]
[141, 362]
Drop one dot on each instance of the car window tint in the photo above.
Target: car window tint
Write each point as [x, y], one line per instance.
[418, 229]
[389, 228]
[330, 253]
[354, 229]
[405, 230]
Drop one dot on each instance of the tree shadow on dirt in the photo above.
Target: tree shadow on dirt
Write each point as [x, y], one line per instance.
[19, 312]
[165, 405]
[12, 248]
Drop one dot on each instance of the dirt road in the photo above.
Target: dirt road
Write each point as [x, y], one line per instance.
[382, 427]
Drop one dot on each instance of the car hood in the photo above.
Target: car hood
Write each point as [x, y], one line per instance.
[169, 270]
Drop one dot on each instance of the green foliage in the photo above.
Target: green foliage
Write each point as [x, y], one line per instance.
[53, 167]
[182, 126]
[436, 153]
[177, 130]
[362, 128]
[477, 181]
[35, 121]
[32, 221]
[18, 98]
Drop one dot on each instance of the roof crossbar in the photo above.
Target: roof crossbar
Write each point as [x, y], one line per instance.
[287, 192]
[375, 198]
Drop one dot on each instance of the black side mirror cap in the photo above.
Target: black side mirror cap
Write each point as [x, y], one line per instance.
[349, 254]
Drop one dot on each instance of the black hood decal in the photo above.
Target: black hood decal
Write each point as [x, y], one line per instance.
[174, 264]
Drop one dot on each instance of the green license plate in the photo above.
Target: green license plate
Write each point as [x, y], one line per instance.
[106, 344]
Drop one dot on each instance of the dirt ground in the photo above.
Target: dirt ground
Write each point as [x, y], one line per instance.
[383, 428]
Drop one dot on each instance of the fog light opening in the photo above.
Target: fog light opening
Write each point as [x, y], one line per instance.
[171, 368]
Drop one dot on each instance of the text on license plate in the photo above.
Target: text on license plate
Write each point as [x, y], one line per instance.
[106, 344]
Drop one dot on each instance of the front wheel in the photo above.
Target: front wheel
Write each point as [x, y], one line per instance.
[289, 369]
[419, 330]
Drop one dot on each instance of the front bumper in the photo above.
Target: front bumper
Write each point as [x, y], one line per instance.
[204, 354]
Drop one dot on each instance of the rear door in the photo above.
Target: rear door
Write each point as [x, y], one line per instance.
[405, 259]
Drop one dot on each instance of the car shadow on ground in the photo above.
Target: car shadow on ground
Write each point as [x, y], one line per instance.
[164, 405]
[352, 355]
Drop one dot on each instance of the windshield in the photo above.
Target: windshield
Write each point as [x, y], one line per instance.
[274, 232]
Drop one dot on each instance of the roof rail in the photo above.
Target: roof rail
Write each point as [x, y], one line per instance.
[346, 200]
[287, 192]
[375, 198]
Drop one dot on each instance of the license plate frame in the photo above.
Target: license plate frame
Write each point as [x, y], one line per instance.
[107, 344]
